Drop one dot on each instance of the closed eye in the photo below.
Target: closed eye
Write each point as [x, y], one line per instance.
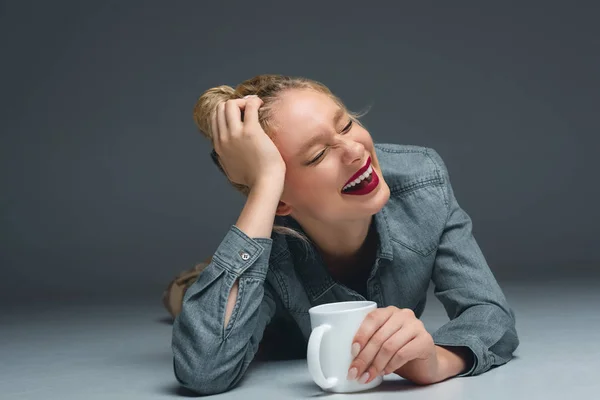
[348, 127]
[318, 157]
[322, 153]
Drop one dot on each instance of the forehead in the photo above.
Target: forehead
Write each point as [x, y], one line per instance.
[301, 114]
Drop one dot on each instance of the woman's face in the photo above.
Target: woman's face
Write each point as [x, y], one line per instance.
[323, 150]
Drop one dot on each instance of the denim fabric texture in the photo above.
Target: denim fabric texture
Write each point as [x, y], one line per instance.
[424, 236]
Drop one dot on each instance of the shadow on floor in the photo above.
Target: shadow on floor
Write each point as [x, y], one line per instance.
[165, 320]
[178, 390]
[309, 389]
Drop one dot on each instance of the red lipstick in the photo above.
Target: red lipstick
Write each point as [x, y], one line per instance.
[360, 171]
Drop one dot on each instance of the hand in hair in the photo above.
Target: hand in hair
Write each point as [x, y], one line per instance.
[246, 153]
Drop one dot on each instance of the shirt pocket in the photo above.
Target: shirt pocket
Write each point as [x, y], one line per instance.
[416, 215]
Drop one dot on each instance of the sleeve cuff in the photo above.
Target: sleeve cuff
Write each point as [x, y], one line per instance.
[240, 254]
[471, 370]
[473, 345]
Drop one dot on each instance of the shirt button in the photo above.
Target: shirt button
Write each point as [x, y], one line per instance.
[245, 256]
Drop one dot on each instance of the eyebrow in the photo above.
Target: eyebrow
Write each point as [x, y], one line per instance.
[317, 138]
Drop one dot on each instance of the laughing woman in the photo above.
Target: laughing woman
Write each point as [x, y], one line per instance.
[331, 216]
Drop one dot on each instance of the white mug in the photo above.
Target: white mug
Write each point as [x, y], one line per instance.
[329, 352]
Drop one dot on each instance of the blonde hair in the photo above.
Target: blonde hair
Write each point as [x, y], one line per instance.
[269, 88]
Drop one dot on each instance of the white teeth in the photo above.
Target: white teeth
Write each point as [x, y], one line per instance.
[367, 173]
[360, 178]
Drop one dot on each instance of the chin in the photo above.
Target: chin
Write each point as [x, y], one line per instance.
[381, 197]
[374, 203]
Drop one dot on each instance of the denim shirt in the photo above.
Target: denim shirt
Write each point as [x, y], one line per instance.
[423, 236]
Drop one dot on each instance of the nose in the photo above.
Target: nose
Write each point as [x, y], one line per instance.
[353, 151]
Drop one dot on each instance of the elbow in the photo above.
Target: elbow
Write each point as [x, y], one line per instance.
[504, 348]
[512, 335]
[514, 339]
[506, 322]
[206, 372]
[205, 379]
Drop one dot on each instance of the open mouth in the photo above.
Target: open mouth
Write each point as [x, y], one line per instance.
[361, 179]
[360, 182]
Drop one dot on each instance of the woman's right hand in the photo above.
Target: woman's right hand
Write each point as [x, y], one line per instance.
[246, 153]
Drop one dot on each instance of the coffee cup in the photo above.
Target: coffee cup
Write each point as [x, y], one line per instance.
[329, 352]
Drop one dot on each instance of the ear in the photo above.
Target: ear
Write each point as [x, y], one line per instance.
[283, 209]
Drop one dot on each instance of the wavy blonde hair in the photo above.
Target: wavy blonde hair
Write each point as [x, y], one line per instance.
[269, 88]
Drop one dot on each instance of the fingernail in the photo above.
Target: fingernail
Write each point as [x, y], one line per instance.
[352, 374]
[364, 378]
[355, 350]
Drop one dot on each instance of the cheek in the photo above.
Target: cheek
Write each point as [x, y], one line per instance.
[295, 186]
[311, 185]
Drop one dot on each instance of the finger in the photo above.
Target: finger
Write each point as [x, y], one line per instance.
[233, 115]
[407, 353]
[222, 123]
[365, 358]
[371, 324]
[236, 108]
[251, 110]
[389, 349]
[214, 127]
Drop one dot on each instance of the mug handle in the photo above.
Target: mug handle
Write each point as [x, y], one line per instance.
[312, 357]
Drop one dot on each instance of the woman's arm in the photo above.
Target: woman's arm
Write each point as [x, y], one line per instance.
[225, 312]
[480, 317]
[481, 331]
[256, 221]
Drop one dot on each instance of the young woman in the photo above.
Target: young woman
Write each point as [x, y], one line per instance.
[330, 216]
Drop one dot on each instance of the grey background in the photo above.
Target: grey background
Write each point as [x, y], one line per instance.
[107, 189]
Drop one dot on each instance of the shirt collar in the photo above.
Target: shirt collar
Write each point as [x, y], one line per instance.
[311, 268]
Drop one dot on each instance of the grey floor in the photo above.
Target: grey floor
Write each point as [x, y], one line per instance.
[122, 351]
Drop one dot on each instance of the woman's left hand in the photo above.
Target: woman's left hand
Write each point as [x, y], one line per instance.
[393, 340]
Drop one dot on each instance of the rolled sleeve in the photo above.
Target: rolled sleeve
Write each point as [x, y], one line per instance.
[480, 317]
[210, 357]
